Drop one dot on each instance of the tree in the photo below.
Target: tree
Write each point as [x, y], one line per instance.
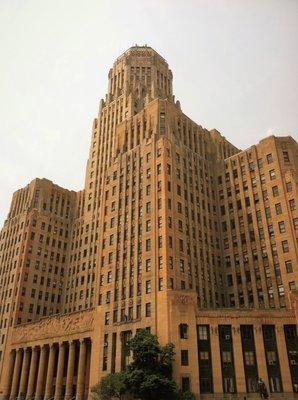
[111, 386]
[186, 396]
[149, 376]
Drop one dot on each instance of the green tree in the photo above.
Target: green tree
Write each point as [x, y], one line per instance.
[111, 386]
[149, 376]
[186, 396]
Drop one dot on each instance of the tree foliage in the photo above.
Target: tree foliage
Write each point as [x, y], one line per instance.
[148, 377]
[111, 386]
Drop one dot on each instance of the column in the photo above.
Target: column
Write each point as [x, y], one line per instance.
[8, 373]
[81, 370]
[216, 361]
[88, 363]
[238, 360]
[283, 359]
[260, 354]
[60, 368]
[24, 374]
[50, 372]
[41, 372]
[32, 372]
[70, 370]
[16, 374]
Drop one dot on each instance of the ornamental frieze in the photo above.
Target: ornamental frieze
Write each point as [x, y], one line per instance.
[54, 326]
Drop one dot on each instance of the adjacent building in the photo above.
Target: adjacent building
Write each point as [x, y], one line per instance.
[176, 231]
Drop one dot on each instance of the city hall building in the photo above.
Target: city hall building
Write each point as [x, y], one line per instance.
[177, 231]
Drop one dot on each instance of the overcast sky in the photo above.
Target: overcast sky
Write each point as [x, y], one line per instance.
[235, 67]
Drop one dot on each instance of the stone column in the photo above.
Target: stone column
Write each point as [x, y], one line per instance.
[16, 374]
[260, 354]
[70, 370]
[24, 374]
[32, 372]
[50, 372]
[88, 363]
[60, 368]
[81, 370]
[216, 362]
[8, 373]
[238, 360]
[41, 372]
[283, 359]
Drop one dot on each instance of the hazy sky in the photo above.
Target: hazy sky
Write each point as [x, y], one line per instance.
[235, 67]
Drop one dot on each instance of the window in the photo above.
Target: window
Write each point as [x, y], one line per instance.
[159, 242]
[107, 318]
[275, 191]
[226, 357]
[184, 357]
[289, 187]
[148, 207]
[295, 223]
[230, 280]
[160, 284]
[203, 333]
[278, 208]
[148, 245]
[285, 246]
[183, 329]
[286, 156]
[292, 205]
[271, 357]
[249, 358]
[185, 385]
[148, 286]
[289, 266]
[269, 158]
[148, 225]
[281, 226]
[160, 262]
[148, 264]
[272, 174]
[292, 285]
[204, 355]
[148, 310]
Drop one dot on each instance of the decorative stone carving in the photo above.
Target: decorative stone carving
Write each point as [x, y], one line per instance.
[55, 326]
[184, 299]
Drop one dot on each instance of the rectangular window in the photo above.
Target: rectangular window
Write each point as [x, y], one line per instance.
[292, 205]
[148, 310]
[286, 156]
[285, 246]
[289, 186]
[278, 209]
[160, 284]
[281, 226]
[275, 191]
[269, 158]
[272, 174]
[148, 286]
[184, 357]
[203, 332]
[289, 266]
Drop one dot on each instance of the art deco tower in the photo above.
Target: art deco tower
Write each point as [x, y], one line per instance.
[176, 230]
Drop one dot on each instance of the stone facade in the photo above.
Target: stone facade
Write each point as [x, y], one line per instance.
[177, 231]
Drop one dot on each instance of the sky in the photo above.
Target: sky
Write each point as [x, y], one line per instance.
[234, 62]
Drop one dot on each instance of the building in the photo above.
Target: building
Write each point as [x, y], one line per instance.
[176, 230]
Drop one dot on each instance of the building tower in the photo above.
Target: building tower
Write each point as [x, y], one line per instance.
[176, 230]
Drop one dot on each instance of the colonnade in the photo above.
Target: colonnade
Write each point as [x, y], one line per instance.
[50, 371]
